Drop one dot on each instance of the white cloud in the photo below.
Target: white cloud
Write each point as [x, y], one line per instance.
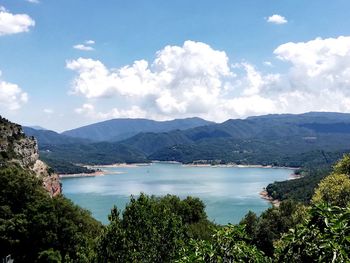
[33, 1]
[11, 96]
[181, 80]
[90, 111]
[83, 47]
[196, 80]
[320, 71]
[268, 63]
[87, 46]
[89, 42]
[14, 23]
[48, 111]
[277, 19]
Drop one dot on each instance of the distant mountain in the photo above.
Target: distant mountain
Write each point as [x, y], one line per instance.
[120, 129]
[47, 137]
[63, 152]
[269, 139]
[36, 127]
[280, 140]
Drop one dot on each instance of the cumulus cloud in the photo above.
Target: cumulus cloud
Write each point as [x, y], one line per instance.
[180, 80]
[277, 19]
[14, 23]
[11, 96]
[320, 69]
[197, 80]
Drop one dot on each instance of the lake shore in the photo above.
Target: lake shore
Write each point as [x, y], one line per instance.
[240, 166]
[117, 165]
[264, 195]
[97, 173]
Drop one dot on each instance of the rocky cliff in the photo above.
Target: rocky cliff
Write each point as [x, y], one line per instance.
[18, 149]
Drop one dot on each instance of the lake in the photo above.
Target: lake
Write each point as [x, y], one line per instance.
[228, 192]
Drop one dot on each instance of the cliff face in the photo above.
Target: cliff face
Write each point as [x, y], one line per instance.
[16, 148]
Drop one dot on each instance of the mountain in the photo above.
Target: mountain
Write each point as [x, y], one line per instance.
[119, 129]
[37, 127]
[47, 137]
[63, 153]
[277, 139]
[268, 140]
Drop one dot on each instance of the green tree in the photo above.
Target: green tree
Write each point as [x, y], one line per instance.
[343, 165]
[49, 256]
[229, 244]
[32, 223]
[323, 237]
[334, 189]
[273, 223]
[147, 232]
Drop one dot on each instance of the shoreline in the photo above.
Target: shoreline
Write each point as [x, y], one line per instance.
[97, 173]
[100, 172]
[264, 195]
[117, 165]
[240, 166]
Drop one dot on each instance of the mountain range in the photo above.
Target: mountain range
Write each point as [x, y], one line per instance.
[276, 139]
[119, 129]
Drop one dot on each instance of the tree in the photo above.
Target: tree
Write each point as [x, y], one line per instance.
[334, 189]
[343, 165]
[323, 237]
[229, 244]
[34, 226]
[147, 232]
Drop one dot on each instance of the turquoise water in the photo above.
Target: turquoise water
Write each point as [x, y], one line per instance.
[228, 192]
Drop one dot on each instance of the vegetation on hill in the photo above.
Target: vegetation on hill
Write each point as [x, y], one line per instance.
[313, 171]
[64, 167]
[94, 153]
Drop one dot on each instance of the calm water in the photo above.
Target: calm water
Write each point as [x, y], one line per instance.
[228, 192]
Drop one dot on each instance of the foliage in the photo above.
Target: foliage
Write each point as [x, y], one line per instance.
[229, 244]
[271, 224]
[93, 153]
[64, 167]
[343, 165]
[334, 189]
[151, 229]
[323, 237]
[49, 256]
[32, 223]
[301, 189]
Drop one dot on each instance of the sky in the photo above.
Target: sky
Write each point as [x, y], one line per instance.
[64, 64]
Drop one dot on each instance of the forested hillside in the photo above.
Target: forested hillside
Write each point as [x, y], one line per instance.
[267, 140]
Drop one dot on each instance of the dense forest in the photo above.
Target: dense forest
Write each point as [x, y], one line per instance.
[35, 227]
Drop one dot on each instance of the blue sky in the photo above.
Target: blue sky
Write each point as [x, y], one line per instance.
[225, 59]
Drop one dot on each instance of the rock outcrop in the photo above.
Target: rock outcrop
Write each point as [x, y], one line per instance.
[19, 149]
